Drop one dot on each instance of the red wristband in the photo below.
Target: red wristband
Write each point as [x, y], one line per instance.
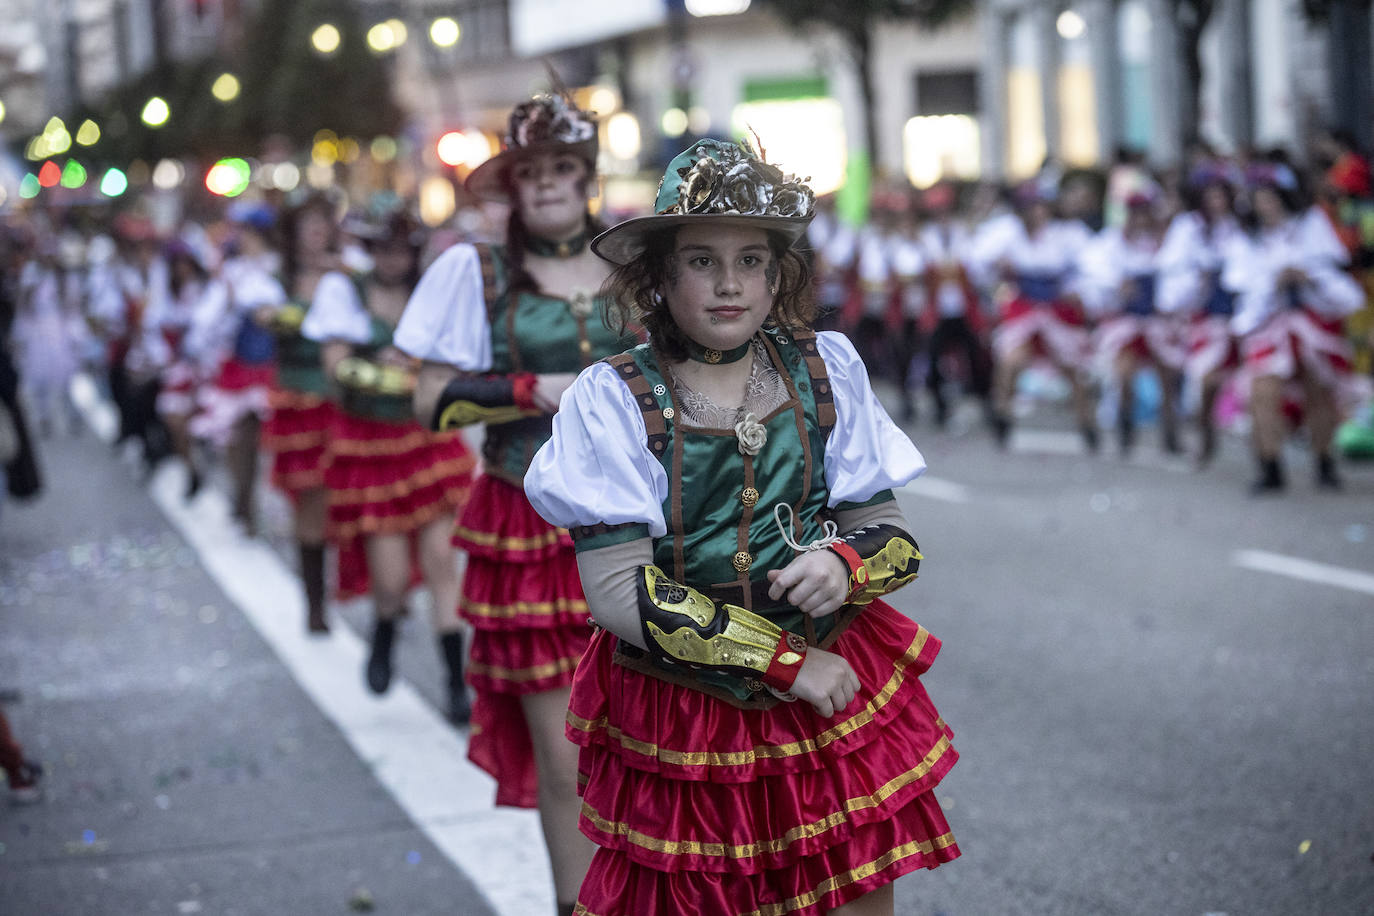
[522, 390]
[858, 574]
[786, 662]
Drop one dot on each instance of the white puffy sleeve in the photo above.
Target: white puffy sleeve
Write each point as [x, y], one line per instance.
[1180, 280]
[1100, 271]
[866, 453]
[445, 320]
[1331, 290]
[336, 312]
[597, 468]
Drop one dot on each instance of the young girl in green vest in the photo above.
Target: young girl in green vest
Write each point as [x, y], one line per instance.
[754, 734]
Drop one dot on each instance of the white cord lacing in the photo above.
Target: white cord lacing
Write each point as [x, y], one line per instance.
[830, 532]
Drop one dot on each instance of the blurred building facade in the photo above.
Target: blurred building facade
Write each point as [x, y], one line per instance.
[992, 94]
[1076, 81]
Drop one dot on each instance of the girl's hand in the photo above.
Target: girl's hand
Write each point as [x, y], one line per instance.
[817, 582]
[549, 388]
[826, 681]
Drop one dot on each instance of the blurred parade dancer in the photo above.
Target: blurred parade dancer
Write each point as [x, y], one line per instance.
[47, 332]
[227, 333]
[117, 295]
[391, 483]
[1191, 258]
[174, 298]
[1293, 294]
[297, 430]
[729, 485]
[1120, 280]
[507, 327]
[952, 300]
[1032, 263]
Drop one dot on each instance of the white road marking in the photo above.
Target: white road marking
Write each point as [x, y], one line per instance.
[1306, 570]
[414, 753]
[938, 488]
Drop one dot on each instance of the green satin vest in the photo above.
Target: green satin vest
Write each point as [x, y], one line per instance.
[533, 332]
[717, 541]
[298, 362]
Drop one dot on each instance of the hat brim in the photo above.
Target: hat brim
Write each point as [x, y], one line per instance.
[623, 243]
[488, 180]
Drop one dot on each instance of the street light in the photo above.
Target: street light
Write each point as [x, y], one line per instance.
[88, 134]
[156, 112]
[445, 32]
[1070, 25]
[226, 87]
[326, 38]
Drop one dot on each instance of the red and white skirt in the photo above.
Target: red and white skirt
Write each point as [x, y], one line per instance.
[296, 433]
[392, 478]
[701, 807]
[1154, 337]
[1295, 340]
[177, 395]
[1055, 330]
[239, 389]
[523, 597]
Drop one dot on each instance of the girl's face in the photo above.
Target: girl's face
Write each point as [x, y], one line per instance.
[1215, 202]
[392, 261]
[314, 232]
[720, 281]
[1269, 207]
[551, 194]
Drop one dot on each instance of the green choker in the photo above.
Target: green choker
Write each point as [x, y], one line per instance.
[544, 248]
[697, 353]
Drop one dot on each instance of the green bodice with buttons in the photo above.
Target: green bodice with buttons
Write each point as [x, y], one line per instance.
[722, 537]
[298, 361]
[540, 333]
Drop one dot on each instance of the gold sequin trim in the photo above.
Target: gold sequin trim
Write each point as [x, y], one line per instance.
[767, 752]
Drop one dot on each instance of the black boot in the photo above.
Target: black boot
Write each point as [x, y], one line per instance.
[312, 576]
[379, 661]
[1209, 446]
[459, 707]
[1327, 478]
[1090, 438]
[1270, 479]
[1125, 432]
[1001, 429]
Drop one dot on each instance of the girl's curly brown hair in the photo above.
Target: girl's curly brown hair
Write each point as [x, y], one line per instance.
[632, 294]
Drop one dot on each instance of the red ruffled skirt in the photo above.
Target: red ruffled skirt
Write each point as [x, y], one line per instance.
[523, 597]
[391, 478]
[296, 433]
[701, 807]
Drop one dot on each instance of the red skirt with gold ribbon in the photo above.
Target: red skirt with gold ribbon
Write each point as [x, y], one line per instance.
[701, 807]
[296, 433]
[392, 478]
[523, 597]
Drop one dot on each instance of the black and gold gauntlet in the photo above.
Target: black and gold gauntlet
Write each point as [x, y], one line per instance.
[363, 375]
[469, 399]
[881, 559]
[682, 625]
[287, 320]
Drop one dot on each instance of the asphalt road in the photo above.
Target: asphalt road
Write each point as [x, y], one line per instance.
[1148, 724]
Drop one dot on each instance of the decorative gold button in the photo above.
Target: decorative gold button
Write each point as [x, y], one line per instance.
[713, 356]
[750, 497]
[742, 561]
[669, 413]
